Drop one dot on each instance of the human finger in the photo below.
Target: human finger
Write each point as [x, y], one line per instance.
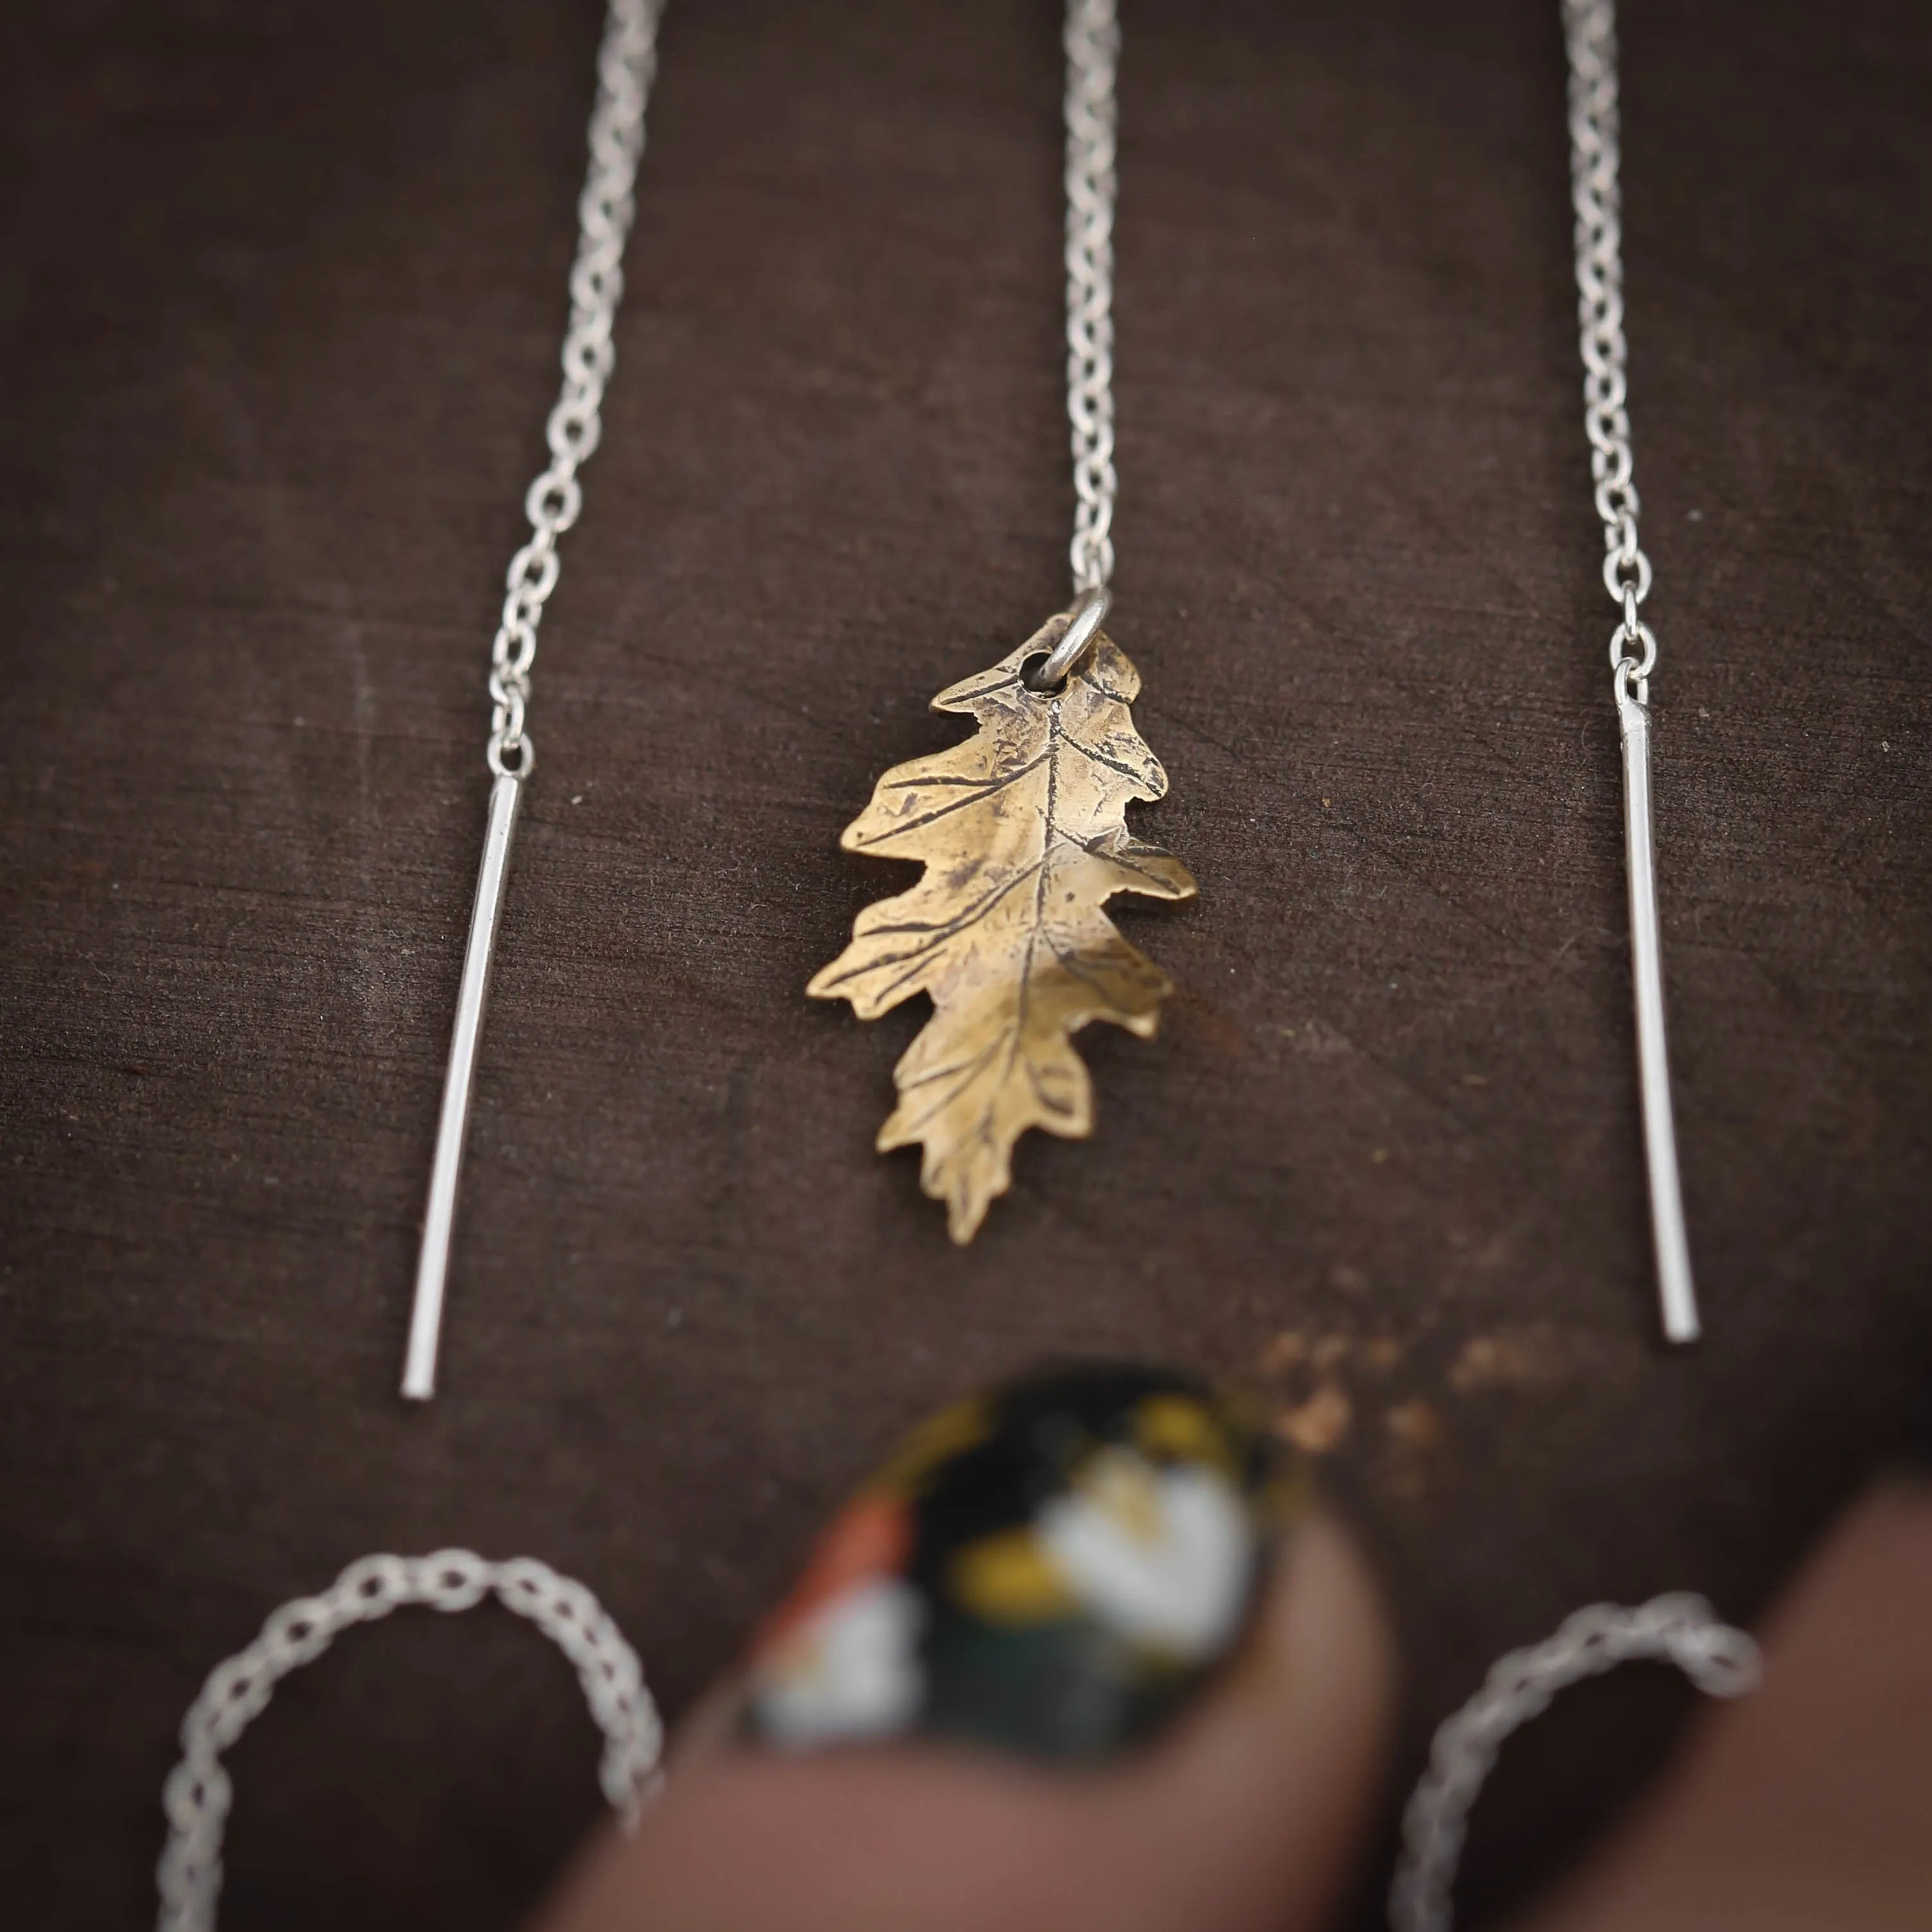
[1080, 1658]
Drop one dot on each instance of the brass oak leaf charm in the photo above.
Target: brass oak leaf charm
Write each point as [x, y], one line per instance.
[1023, 832]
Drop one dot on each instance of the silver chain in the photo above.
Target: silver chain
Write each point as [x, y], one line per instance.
[1590, 32]
[198, 1793]
[1678, 1629]
[626, 62]
[1092, 40]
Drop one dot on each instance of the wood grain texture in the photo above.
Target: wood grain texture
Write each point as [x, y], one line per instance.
[281, 298]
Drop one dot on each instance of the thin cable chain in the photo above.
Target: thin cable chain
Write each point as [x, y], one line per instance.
[1678, 1629]
[1590, 33]
[626, 64]
[1092, 42]
[198, 1793]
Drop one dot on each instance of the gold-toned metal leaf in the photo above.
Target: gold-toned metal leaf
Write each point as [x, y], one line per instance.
[1022, 830]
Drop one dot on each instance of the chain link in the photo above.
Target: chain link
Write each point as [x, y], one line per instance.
[1677, 1629]
[1093, 41]
[1590, 32]
[626, 63]
[198, 1793]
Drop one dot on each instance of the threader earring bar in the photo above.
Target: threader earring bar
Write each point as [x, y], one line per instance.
[626, 63]
[1590, 31]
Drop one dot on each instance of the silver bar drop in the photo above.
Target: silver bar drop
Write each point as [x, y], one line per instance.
[1675, 1289]
[426, 1317]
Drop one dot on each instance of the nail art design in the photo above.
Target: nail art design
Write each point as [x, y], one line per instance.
[1053, 1569]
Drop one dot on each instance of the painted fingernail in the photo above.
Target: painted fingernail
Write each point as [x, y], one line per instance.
[1053, 1569]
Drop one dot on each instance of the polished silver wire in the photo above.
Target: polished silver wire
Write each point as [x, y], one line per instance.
[198, 1794]
[1678, 1629]
[459, 1080]
[1590, 35]
[626, 64]
[1093, 42]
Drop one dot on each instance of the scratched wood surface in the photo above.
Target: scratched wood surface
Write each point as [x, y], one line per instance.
[282, 295]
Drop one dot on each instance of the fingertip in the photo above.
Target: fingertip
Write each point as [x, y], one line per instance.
[1243, 1817]
[1275, 1776]
[1804, 1803]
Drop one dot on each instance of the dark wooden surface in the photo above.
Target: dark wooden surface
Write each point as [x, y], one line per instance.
[281, 295]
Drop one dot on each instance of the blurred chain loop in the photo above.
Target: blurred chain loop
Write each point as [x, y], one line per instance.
[198, 1793]
[1678, 1629]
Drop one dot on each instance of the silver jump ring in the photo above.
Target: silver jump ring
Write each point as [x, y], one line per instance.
[1084, 619]
[525, 752]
